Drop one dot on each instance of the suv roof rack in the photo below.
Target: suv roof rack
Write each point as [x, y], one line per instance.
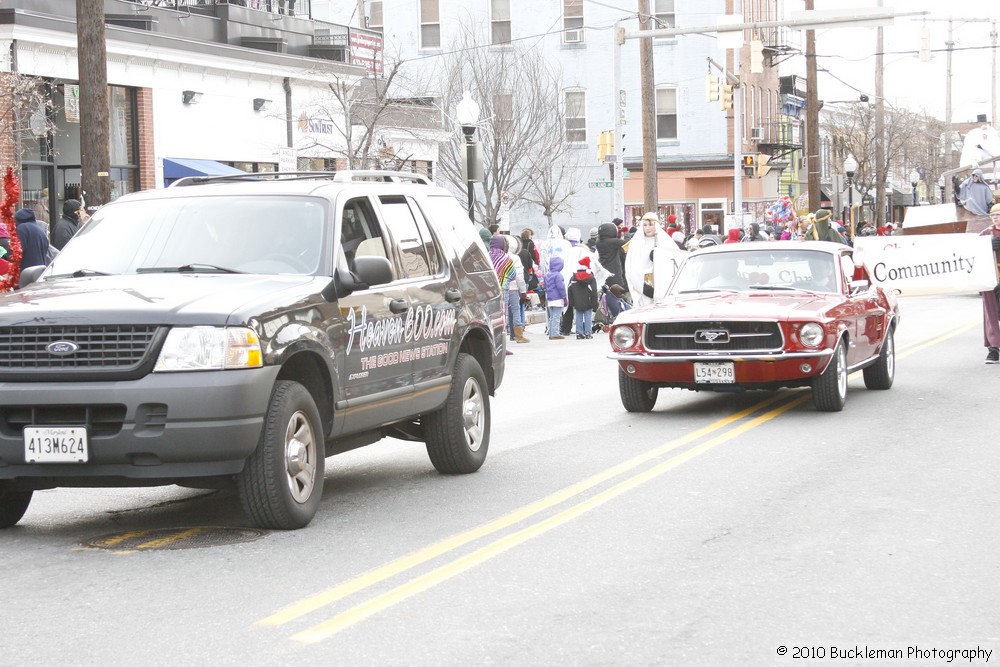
[336, 176]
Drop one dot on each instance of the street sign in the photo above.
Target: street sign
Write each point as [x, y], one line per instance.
[602, 184]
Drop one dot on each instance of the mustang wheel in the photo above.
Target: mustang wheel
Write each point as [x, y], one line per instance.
[881, 374]
[830, 388]
[13, 505]
[282, 482]
[458, 434]
[637, 395]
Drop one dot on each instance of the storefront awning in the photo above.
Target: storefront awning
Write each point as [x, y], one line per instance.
[178, 167]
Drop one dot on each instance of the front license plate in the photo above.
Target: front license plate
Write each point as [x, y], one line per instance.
[51, 444]
[714, 373]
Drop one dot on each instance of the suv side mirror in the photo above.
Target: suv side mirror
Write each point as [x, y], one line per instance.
[369, 271]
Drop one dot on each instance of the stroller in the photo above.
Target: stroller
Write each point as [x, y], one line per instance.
[608, 307]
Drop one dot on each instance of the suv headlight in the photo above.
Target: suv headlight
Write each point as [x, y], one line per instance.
[623, 337]
[811, 334]
[209, 348]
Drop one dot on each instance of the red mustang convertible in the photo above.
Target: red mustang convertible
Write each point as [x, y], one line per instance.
[759, 316]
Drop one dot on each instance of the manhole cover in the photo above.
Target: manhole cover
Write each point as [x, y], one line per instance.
[158, 539]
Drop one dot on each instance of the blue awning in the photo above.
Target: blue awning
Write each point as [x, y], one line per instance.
[178, 167]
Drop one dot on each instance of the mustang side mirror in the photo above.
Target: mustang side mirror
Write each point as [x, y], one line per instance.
[859, 286]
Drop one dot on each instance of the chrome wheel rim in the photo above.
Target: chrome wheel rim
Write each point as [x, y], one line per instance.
[841, 372]
[890, 355]
[300, 457]
[473, 414]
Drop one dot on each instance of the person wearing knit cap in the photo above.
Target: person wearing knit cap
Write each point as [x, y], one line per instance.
[583, 298]
[68, 225]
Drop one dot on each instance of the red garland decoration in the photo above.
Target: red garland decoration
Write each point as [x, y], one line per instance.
[11, 192]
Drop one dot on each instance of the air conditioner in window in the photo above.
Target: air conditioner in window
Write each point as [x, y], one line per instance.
[756, 133]
[573, 37]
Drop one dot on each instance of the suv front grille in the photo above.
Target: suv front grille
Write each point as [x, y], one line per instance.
[717, 336]
[115, 347]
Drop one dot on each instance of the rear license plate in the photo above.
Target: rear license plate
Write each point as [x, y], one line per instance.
[51, 444]
[714, 373]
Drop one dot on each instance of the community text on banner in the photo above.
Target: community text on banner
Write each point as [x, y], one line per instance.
[926, 264]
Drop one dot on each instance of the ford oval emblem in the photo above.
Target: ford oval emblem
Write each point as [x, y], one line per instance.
[62, 348]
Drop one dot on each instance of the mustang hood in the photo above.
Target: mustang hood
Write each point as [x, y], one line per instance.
[156, 298]
[735, 305]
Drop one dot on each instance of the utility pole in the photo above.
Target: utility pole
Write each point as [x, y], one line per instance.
[993, 95]
[950, 44]
[92, 63]
[812, 120]
[650, 199]
[880, 171]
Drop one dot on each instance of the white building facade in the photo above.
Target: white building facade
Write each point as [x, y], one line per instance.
[694, 138]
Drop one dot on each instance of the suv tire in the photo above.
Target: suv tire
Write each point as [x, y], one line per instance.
[13, 505]
[458, 434]
[282, 483]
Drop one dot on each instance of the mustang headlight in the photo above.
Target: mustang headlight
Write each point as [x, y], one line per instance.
[811, 334]
[209, 348]
[623, 337]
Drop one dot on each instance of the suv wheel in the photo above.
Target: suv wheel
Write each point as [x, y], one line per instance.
[458, 434]
[13, 505]
[282, 482]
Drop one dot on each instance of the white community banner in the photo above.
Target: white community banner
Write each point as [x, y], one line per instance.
[925, 264]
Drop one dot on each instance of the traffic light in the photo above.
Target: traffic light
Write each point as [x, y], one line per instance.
[756, 56]
[712, 88]
[749, 165]
[925, 45]
[725, 96]
[605, 145]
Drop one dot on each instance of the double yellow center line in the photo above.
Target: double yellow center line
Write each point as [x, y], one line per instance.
[423, 582]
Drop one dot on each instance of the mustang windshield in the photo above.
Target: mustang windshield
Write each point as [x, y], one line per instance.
[245, 234]
[788, 270]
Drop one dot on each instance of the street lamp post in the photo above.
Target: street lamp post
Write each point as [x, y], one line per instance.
[850, 168]
[467, 115]
[914, 179]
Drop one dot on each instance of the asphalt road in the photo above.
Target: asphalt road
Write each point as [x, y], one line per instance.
[717, 530]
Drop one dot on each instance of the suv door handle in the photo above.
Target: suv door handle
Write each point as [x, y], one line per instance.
[451, 295]
[398, 306]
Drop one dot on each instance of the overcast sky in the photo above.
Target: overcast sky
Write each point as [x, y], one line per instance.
[849, 56]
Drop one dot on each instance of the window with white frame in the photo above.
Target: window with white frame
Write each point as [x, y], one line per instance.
[572, 21]
[430, 24]
[666, 113]
[375, 14]
[500, 21]
[576, 116]
[663, 12]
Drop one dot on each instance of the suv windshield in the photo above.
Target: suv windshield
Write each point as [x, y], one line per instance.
[219, 234]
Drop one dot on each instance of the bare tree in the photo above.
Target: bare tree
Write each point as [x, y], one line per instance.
[554, 181]
[521, 128]
[361, 110]
[26, 110]
[852, 131]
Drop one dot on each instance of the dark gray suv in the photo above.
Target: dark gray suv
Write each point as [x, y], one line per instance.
[239, 330]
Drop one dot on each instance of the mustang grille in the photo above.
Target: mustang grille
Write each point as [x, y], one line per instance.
[106, 347]
[717, 336]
